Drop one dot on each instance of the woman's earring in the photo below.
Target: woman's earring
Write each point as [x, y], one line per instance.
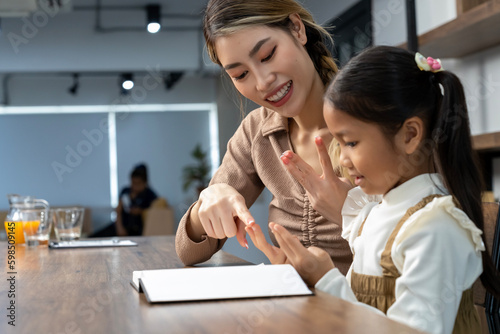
[296, 28]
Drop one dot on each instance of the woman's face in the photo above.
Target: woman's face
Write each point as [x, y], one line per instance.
[137, 185]
[270, 66]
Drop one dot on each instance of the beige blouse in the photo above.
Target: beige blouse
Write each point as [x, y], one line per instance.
[251, 163]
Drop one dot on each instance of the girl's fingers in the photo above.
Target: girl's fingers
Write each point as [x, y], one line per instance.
[286, 241]
[324, 158]
[241, 233]
[292, 242]
[299, 169]
[259, 240]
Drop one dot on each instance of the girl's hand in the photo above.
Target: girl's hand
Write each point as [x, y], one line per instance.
[327, 192]
[222, 213]
[311, 263]
[273, 253]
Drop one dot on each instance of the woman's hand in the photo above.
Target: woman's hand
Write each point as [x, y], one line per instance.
[273, 253]
[221, 213]
[327, 192]
[311, 263]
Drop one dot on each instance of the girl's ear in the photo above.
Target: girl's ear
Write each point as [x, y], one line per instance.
[298, 28]
[412, 134]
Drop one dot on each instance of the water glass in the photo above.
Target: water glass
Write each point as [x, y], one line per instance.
[68, 223]
[36, 226]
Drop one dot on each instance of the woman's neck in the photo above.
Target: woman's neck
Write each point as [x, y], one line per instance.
[311, 118]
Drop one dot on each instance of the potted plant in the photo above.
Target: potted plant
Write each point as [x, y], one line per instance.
[197, 173]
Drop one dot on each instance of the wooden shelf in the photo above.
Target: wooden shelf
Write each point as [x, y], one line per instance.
[488, 142]
[475, 30]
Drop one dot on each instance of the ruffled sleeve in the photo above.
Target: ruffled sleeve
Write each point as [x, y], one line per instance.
[446, 204]
[356, 207]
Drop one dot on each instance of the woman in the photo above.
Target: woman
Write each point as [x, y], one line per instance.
[274, 53]
[133, 201]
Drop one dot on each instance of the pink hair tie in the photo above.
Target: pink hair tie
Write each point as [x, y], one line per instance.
[428, 64]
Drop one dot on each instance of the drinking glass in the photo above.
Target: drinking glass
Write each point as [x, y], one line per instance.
[68, 223]
[36, 226]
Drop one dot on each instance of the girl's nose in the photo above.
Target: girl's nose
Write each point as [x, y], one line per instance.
[344, 159]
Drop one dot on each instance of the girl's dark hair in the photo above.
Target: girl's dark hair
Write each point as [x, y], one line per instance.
[383, 85]
[224, 17]
[140, 171]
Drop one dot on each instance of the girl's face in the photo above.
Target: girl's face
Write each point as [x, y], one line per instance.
[375, 164]
[270, 67]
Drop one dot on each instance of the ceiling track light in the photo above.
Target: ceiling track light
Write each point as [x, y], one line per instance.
[153, 18]
[74, 88]
[126, 82]
[171, 79]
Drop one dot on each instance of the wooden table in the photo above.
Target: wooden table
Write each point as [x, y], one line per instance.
[88, 291]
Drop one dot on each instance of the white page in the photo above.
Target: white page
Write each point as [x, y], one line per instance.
[168, 285]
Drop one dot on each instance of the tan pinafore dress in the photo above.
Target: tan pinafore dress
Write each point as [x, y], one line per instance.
[379, 291]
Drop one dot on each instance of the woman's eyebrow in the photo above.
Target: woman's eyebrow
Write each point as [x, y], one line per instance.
[257, 46]
[252, 53]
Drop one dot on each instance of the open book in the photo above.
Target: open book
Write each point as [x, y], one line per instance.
[209, 283]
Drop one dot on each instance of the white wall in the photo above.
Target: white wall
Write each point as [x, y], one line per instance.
[82, 48]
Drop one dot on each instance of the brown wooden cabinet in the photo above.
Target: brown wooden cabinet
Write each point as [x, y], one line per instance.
[476, 28]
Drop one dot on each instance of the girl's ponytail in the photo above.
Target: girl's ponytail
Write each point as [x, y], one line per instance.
[457, 161]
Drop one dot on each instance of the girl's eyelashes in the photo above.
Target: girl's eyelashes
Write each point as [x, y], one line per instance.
[270, 55]
[350, 144]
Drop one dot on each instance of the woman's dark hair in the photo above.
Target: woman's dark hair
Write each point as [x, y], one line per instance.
[224, 17]
[140, 171]
[384, 86]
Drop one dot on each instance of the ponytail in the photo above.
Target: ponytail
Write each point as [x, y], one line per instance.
[457, 162]
[319, 53]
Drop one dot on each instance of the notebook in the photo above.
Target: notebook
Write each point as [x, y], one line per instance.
[212, 283]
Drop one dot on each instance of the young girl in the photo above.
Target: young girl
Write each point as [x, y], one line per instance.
[403, 129]
[275, 55]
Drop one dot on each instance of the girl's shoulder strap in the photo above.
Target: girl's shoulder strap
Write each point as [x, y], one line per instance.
[388, 267]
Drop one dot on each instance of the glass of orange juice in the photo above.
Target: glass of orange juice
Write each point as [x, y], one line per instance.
[36, 226]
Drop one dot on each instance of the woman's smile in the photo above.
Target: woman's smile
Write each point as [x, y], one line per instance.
[281, 95]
